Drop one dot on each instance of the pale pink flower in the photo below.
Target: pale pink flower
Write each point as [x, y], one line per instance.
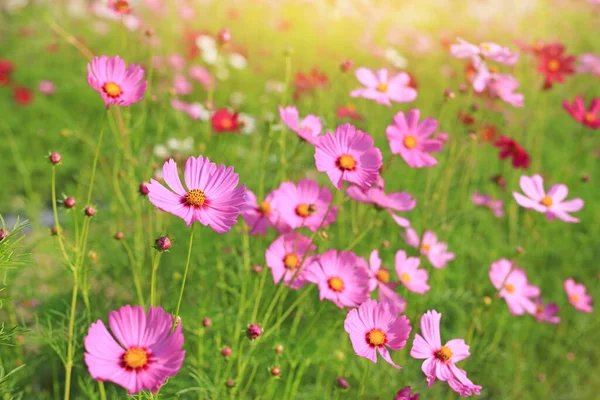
[182, 86]
[47, 87]
[513, 287]
[552, 203]
[578, 296]
[212, 197]
[349, 155]
[546, 312]
[440, 360]
[339, 278]
[259, 216]
[120, 6]
[286, 255]
[202, 75]
[497, 206]
[436, 252]
[409, 273]
[379, 278]
[305, 205]
[487, 50]
[589, 64]
[309, 128]
[391, 202]
[503, 86]
[116, 83]
[374, 327]
[412, 140]
[176, 61]
[382, 89]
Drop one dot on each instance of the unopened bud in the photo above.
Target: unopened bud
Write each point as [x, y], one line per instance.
[206, 322]
[342, 383]
[69, 202]
[55, 158]
[275, 371]
[163, 243]
[257, 269]
[226, 352]
[90, 211]
[3, 233]
[347, 65]
[143, 189]
[279, 349]
[254, 331]
[224, 36]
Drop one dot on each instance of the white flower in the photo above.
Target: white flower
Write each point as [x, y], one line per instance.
[161, 151]
[238, 61]
[274, 87]
[210, 55]
[206, 43]
[395, 58]
[236, 98]
[248, 123]
[198, 111]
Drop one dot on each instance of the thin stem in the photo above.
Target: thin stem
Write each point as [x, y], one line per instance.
[136, 278]
[363, 381]
[187, 265]
[57, 223]
[94, 165]
[69, 364]
[153, 279]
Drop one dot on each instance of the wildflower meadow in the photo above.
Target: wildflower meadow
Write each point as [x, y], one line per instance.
[299, 199]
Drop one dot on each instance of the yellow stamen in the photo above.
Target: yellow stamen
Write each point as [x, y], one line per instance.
[195, 197]
[346, 162]
[509, 288]
[336, 284]
[425, 247]
[305, 210]
[383, 275]
[376, 337]
[553, 65]
[122, 6]
[589, 117]
[574, 298]
[443, 354]
[291, 261]
[112, 89]
[226, 123]
[410, 142]
[135, 358]
[405, 277]
[546, 201]
[382, 87]
[264, 208]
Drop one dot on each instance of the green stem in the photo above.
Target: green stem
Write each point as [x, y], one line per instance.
[187, 265]
[363, 381]
[56, 221]
[69, 364]
[153, 279]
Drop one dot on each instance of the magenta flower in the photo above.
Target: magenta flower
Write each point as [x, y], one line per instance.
[379, 278]
[578, 296]
[440, 360]
[116, 83]
[407, 269]
[391, 202]
[546, 312]
[374, 327]
[550, 203]
[305, 205]
[405, 394]
[436, 252]
[339, 278]
[309, 128]
[497, 206]
[382, 89]
[348, 155]
[144, 354]
[514, 287]
[411, 140]
[212, 197]
[259, 216]
[285, 255]
[587, 116]
[487, 50]
[504, 86]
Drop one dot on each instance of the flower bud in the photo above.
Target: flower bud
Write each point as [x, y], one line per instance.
[226, 352]
[163, 243]
[254, 331]
[119, 236]
[206, 322]
[143, 189]
[279, 349]
[3, 234]
[90, 211]
[230, 383]
[347, 65]
[55, 158]
[342, 383]
[224, 36]
[257, 269]
[275, 371]
[69, 202]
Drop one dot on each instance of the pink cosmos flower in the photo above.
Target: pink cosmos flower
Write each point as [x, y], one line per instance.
[212, 197]
[405, 394]
[407, 269]
[182, 86]
[497, 206]
[550, 203]
[436, 252]
[589, 64]
[578, 296]
[514, 287]
[374, 327]
[47, 87]
[348, 155]
[284, 257]
[305, 205]
[382, 89]
[440, 360]
[202, 75]
[487, 50]
[379, 277]
[120, 6]
[193, 110]
[116, 83]
[260, 216]
[586, 116]
[503, 86]
[144, 354]
[411, 140]
[391, 202]
[546, 312]
[176, 61]
[309, 128]
[339, 278]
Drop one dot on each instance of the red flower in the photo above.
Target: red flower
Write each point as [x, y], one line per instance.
[488, 133]
[348, 111]
[6, 68]
[554, 64]
[588, 117]
[308, 82]
[225, 121]
[466, 119]
[510, 148]
[23, 96]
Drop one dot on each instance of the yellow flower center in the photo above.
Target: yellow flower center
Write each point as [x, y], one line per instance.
[291, 261]
[122, 6]
[305, 210]
[135, 358]
[382, 87]
[226, 123]
[346, 162]
[410, 142]
[553, 65]
[539, 309]
[383, 275]
[574, 298]
[546, 201]
[264, 208]
[443, 354]
[336, 284]
[589, 117]
[425, 247]
[195, 197]
[112, 89]
[350, 107]
[486, 47]
[376, 337]
[509, 288]
[405, 277]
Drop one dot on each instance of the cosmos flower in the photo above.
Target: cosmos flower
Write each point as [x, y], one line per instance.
[405, 394]
[550, 203]
[588, 117]
[22, 95]
[503, 86]
[348, 155]
[339, 278]
[202, 75]
[308, 128]
[440, 361]
[546, 312]
[486, 201]
[260, 216]
[144, 354]
[116, 83]
[348, 111]
[554, 65]
[374, 327]
[6, 69]
[379, 278]
[436, 252]
[407, 269]
[411, 139]
[212, 197]
[384, 89]
[182, 86]
[578, 297]
[120, 6]
[194, 110]
[391, 202]
[47, 87]
[512, 149]
[308, 83]
[305, 205]
[225, 121]
[487, 50]
[588, 64]
[285, 255]
[513, 287]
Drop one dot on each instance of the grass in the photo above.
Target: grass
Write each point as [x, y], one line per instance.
[511, 357]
